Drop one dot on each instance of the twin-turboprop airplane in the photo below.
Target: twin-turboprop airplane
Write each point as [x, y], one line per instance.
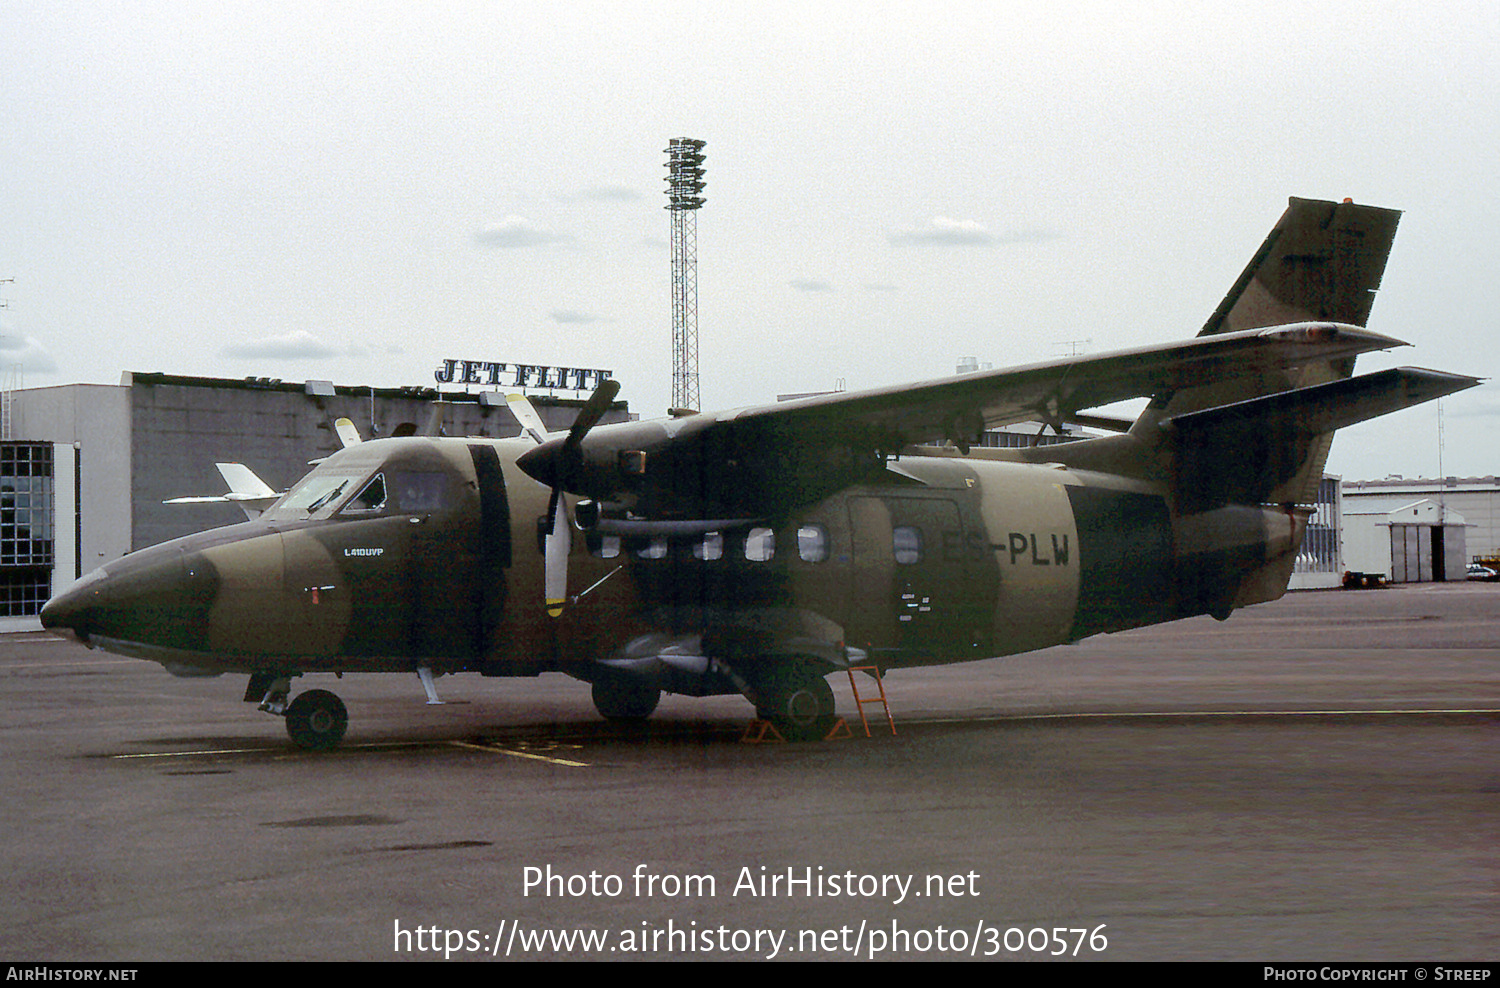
[758, 550]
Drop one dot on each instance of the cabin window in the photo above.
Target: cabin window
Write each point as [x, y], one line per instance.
[655, 549]
[604, 546]
[710, 547]
[760, 545]
[906, 544]
[812, 543]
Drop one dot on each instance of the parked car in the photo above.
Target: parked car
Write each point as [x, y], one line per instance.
[1478, 572]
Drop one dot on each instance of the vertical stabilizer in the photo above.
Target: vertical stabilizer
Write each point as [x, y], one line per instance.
[1323, 261]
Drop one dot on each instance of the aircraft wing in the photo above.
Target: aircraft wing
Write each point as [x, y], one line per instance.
[768, 457]
[959, 408]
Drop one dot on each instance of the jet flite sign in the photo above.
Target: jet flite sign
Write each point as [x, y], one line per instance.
[520, 375]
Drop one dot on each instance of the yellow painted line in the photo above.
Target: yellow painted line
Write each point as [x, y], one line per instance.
[283, 752]
[518, 754]
[189, 754]
[25, 664]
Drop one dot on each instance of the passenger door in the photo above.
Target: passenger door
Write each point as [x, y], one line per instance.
[913, 592]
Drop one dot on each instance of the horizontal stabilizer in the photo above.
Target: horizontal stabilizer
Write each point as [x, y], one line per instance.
[246, 489]
[1242, 452]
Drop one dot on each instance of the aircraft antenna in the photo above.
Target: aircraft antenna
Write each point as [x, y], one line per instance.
[684, 199]
[12, 385]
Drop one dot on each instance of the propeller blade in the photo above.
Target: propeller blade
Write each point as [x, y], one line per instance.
[526, 414]
[555, 560]
[593, 410]
[348, 433]
[559, 537]
[559, 462]
[553, 463]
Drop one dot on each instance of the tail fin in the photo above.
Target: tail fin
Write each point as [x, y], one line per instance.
[1263, 437]
[1322, 262]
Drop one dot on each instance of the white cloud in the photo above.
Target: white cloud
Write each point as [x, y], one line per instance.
[25, 352]
[517, 231]
[298, 345]
[944, 231]
[810, 285]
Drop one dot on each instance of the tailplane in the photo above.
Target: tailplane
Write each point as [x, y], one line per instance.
[1264, 437]
[1271, 450]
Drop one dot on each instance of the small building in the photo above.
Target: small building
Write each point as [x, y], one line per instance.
[1476, 498]
[1419, 542]
[1320, 561]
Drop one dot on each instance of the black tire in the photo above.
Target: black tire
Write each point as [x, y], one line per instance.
[799, 702]
[317, 719]
[625, 698]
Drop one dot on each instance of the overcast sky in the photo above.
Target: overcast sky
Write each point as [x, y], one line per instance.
[358, 191]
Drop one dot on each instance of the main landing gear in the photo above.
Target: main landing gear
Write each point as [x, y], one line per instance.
[797, 700]
[316, 719]
[624, 698]
[789, 693]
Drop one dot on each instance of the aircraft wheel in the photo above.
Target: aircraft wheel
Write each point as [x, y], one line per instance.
[625, 698]
[799, 703]
[317, 719]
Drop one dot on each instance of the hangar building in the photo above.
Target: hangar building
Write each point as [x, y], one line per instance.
[1477, 499]
[1419, 542]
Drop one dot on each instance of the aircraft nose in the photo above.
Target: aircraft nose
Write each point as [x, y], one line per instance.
[151, 597]
[71, 613]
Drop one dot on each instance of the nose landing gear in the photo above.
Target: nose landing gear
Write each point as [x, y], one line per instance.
[316, 719]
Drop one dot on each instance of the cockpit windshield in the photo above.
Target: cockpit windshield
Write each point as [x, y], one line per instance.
[314, 493]
[366, 487]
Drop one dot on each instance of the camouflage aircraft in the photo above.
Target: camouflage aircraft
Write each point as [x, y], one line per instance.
[758, 550]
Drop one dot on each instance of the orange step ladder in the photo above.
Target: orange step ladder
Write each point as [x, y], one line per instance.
[859, 702]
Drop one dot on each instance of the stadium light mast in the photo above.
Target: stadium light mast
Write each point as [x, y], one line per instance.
[684, 198]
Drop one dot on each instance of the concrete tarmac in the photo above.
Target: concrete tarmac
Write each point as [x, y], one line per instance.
[1315, 779]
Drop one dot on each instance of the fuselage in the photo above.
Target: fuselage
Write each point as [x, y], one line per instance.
[414, 552]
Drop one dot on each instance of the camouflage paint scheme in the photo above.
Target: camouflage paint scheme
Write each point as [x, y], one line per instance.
[758, 550]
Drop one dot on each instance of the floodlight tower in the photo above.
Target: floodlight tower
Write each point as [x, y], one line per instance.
[684, 199]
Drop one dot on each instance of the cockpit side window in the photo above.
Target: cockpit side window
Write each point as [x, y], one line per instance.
[371, 498]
